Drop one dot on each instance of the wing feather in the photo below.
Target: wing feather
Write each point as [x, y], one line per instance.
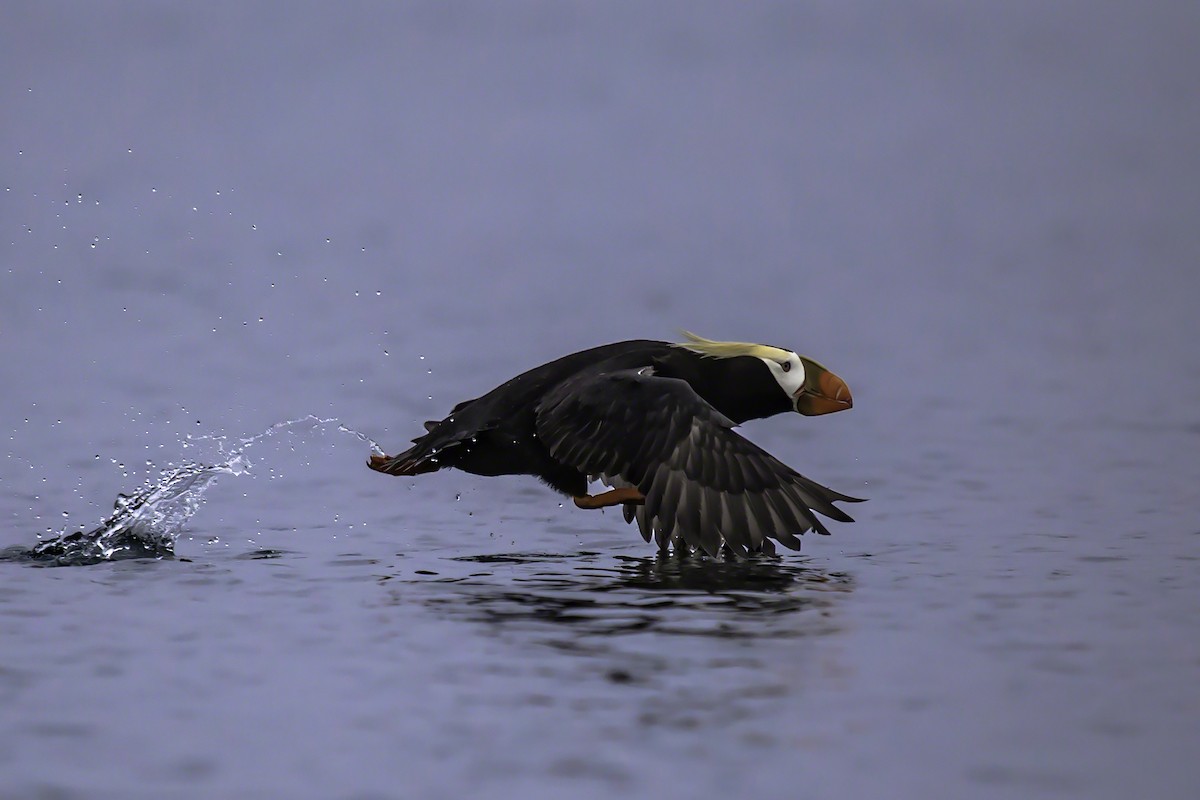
[704, 485]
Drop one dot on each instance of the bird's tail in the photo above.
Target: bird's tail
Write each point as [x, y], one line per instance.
[411, 462]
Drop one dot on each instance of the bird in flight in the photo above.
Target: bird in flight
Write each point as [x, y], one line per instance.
[654, 422]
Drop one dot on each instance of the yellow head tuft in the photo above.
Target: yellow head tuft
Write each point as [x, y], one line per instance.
[713, 349]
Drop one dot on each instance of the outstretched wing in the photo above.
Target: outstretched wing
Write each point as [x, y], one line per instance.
[703, 483]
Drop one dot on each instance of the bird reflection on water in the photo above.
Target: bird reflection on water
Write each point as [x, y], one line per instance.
[606, 595]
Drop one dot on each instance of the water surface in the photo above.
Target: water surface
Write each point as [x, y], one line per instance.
[215, 220]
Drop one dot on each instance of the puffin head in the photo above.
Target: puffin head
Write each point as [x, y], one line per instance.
[812, 389]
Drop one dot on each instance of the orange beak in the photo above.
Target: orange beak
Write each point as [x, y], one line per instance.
[823, 393]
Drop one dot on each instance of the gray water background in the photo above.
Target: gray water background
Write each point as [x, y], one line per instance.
[984, 217]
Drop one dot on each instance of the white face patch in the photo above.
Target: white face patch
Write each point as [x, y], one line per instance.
[788, 374]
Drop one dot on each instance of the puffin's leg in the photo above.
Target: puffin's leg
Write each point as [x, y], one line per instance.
[613, 497]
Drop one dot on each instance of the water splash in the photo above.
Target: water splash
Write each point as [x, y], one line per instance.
[312, 421]
[146, 524]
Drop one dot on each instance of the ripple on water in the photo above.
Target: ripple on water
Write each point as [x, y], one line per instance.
[643, 643]
[587, 596]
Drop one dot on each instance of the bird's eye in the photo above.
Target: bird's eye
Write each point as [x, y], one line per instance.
[786, 366]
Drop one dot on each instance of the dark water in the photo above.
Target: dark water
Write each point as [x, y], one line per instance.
[214, 220]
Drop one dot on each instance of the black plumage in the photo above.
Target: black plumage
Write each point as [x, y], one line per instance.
[656, 421]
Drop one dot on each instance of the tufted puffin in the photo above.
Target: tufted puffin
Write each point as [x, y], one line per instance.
[654, 421]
